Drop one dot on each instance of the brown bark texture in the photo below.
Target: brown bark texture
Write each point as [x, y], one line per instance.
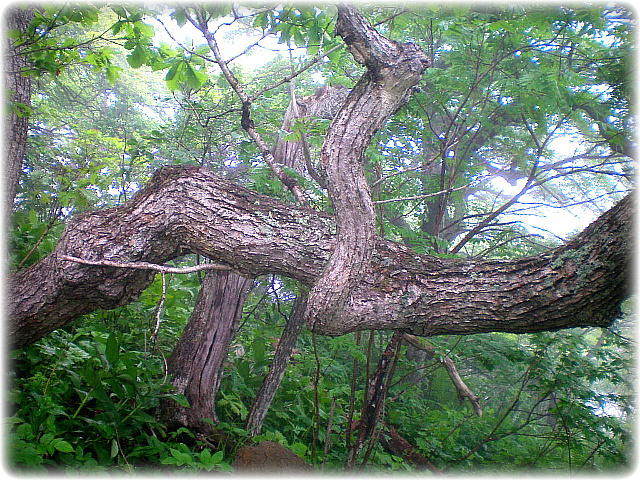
[196, 362]
[324, 104]
[189, 209]
[18, 97]
[393, 69]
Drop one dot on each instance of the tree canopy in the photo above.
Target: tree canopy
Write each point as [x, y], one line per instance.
[386, 176]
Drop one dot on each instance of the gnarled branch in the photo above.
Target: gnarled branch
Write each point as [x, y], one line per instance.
[189, 209]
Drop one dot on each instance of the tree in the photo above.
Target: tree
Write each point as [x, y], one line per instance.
[20, 99]
[28, 306]
[355, 278]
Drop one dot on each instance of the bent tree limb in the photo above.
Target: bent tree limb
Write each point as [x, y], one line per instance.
[187, 209]
[392, 70]
[452, 371]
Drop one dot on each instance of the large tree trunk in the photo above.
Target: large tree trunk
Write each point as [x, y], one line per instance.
[189, 209]
[196, 363]
[358, 281]
[18, 87]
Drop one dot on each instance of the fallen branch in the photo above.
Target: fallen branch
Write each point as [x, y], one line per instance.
[397, 445]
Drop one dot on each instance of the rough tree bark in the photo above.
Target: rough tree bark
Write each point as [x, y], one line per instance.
[18, 100]
[392, 70]
[379, 93]
[325, 103]
[195, 364]
[186, 209]
[189, 209]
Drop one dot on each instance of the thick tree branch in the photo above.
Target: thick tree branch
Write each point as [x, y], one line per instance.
[189, 209]
[392, 70]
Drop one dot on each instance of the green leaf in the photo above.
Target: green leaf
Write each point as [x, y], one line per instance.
[205, 456]
[173, 71]
[299, 449]
[179, 18]
[258, 347]
[138, 57]
[217, 457]
[113, 73]
[146, 30]
[334, 57]
[195, 78]
[180, 457]
[112, 349]
[180, 399]
[202, 49]
[261, 21]
[114, 448]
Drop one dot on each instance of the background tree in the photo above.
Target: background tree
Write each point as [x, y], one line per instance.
[432, 170]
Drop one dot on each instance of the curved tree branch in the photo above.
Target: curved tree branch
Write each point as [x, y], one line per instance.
[189, 209]
[392, 70]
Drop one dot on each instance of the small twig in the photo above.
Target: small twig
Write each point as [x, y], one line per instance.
[246, 122]
[316, 398]
[327, 437]
[44, 234]
[166, 367]
[420, 197]
[154, 335]
[148, 266]
[319, 56]
[117, 438]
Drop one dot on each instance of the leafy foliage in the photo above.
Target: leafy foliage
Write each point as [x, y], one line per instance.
[85, 398]
[507, 87]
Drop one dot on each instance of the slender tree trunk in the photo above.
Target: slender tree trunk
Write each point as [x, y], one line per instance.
[281, 358]
[374, 400]
[196, 362]
[18, 101]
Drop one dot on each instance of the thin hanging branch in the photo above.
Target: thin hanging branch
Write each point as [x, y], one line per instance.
[159, 308]
[421, 197]
[327, 436]
[147, 266]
